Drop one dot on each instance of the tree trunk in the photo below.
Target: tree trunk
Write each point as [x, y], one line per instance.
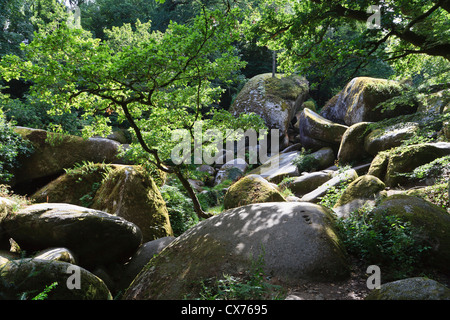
[274, 63]
[197, 206]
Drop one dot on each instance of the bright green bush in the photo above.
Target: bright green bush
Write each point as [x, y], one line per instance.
[250, 285]
[12, 146]
[35, 114]
[305, 162]
[181, 211]
[383, 240]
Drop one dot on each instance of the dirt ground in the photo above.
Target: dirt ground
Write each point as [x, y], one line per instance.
[354, 288]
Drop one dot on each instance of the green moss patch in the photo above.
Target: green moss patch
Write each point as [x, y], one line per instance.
[251, 189]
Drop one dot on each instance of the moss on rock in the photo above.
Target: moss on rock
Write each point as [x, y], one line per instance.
[251, 189]
[430, 221]
[125, 191]
[389, 137]
[295, 241]
[358, 100]
[32, 276]
[406, 159]
[55, 152]
[275, 100]
[77, 187]
[437, 194]
[352, 142]
[411, 289]
[129, 192]
[364, 187]
[314, 126]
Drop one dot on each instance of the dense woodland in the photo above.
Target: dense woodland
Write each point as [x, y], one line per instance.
[145, 68]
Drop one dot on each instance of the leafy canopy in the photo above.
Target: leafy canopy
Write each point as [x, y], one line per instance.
[307, 32]
[156, 81]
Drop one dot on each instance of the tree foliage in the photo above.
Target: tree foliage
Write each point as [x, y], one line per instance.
[156, 81]
[307, 32]
[12, 147]
[161, 65]
[19, 19]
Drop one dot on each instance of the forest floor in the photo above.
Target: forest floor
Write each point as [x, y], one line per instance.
[354, 288]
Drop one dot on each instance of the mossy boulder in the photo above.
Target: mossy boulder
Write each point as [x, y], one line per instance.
[77, 186]
[352, 143]
[430, 221]
[129, 192]
[357, 102]
[296, 242]
[306, 182]
[436, 102]
[389, 137]
[251, 189]
[32, 276]
[339, 177]
[379, 164]
[55, 152]
[278, 167]
[125, 191]
[357, 193]
[276, 100]
[418, 288]
[317, 132]
[365, 187]
[406, 159]
[94, 236]
[392, 165]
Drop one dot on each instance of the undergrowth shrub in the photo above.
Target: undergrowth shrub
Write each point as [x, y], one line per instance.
[305, 162]
[251, 285]
[180, 208]
[12, 147]
[384, 240]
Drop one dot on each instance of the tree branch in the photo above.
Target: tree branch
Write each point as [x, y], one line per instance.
[141, 140]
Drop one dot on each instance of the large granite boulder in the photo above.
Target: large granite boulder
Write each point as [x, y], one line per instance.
[389, 137]
[418, 288]
[390, 165]
[295, 240]
[95, 237]
[351, 148]
[317, 132]
[30, 277]
[128, 192]
[54, 152]
[357, 102]
[276, 100]
[432, 223]
[251, 189]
